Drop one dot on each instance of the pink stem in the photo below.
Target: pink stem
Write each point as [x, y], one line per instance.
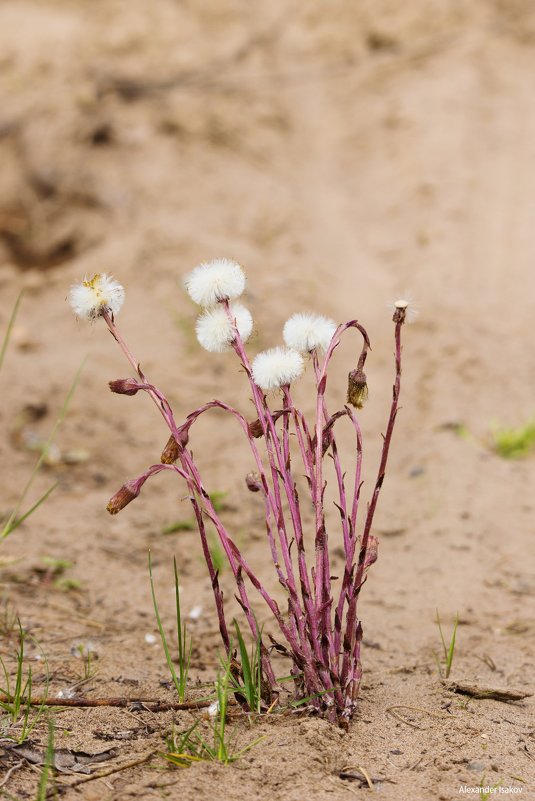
[351, 622]
[274, 451]
[165, 409]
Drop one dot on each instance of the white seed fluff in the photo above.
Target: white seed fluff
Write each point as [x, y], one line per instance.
[221, 279]
[95, 296]
[307, 332]
[213, 709]
[406, 302]
[276, 368]
[215, 331]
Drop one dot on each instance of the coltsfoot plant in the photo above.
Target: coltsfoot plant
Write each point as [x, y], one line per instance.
[320, 631]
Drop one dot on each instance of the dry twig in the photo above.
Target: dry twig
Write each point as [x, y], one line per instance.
[480, 691]
[147, 703]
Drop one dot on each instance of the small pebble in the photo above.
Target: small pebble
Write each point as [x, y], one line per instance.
[195, 613]
[479, 766]
[68, 693]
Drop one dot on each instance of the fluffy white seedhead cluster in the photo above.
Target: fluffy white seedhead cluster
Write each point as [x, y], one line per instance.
[95, 296]
[213, 281]
[308, 332]
[276, 368]
[215, 330]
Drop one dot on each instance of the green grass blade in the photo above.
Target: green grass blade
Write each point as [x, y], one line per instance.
[61, 416]
[48, 767]
[160, 629]
[19, 520]
[17, 691]
[9, 330]
[179, 525]
[444, 646]
[514, 443]
[309, 698]
[249, 686]
[238, 754]
[184, 653]
[451, 649]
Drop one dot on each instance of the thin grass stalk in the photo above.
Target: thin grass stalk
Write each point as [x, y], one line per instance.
[9, 329]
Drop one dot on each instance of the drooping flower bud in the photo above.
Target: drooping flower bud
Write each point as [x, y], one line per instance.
[172, 449]
[123, 497]
[253, 481]
[357, 389]
[124, 386]
[255, 429]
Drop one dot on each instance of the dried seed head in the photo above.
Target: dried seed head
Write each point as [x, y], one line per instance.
[357, 389]
[123, 497]
[253, 481]
[255, 429]
[124, 386]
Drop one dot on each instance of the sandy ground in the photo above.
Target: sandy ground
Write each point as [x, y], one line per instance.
[344, 153]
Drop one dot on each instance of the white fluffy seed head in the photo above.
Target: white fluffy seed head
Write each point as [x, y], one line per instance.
[307, 332]
[215, 331]
[212, 281]
[95, 296]
[276, 368]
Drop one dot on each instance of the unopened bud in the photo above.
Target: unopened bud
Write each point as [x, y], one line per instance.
[253, 481]
[357, 389]
[122, 498]
[172, 449]
[124, 386]
[255, 429]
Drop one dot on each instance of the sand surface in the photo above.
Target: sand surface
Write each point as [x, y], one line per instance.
[344, 153]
